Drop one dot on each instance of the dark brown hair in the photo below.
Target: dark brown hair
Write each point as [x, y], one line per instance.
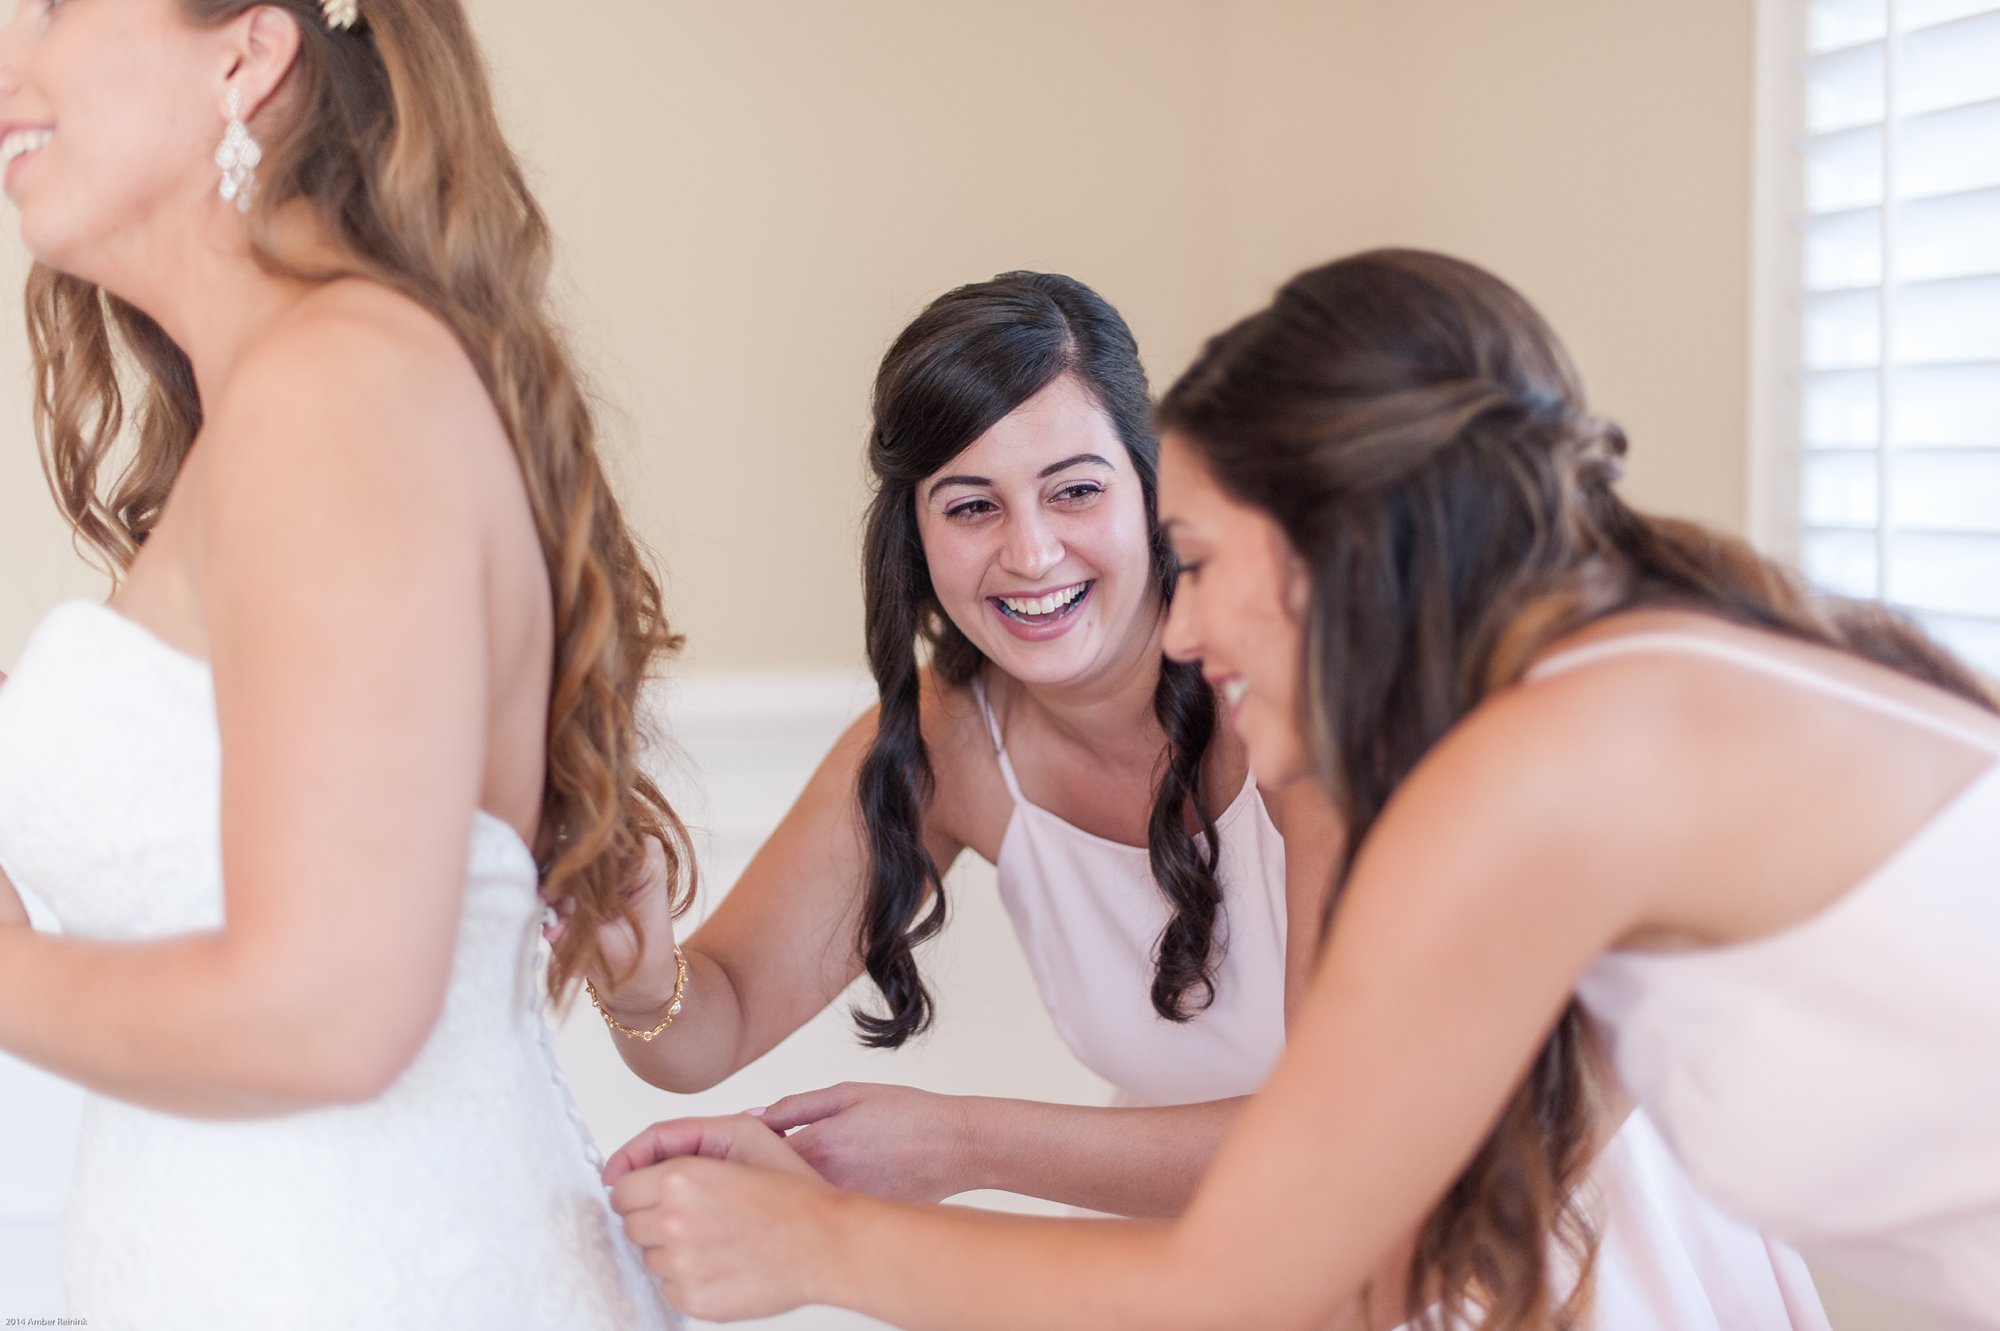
[1420, 436]
[387, 132]
[968, 360]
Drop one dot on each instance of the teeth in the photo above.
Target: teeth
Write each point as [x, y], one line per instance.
[1234, 690]
[22, 142]
[1044, 605]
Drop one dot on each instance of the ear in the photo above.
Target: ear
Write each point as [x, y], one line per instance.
[261, 45]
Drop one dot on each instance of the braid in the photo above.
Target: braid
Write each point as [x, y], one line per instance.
[895, 786]
[1185, 869]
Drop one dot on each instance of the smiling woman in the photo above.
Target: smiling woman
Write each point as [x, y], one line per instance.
[1016, 588]
[1078, 483]
[1035, 382]
[377, 635]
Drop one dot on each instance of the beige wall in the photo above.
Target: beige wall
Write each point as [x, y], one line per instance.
[1599, 156]
[757, 197]
[753, 197]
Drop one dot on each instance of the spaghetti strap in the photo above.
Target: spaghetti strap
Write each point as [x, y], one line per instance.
[1741, 656]
[993, 731]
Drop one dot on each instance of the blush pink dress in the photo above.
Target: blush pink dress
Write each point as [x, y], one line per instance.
[1089, 913]
[1838, 1082]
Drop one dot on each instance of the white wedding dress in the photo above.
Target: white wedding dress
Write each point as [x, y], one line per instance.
[466, 1196]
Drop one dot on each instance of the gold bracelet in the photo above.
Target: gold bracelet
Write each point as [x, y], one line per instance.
[673, 1008]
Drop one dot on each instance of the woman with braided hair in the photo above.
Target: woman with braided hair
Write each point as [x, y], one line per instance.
[1016, 588]
[366, 680]
[1605, 774]
[1012, 538]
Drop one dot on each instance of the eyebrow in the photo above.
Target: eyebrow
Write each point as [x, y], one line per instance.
[1079, 460]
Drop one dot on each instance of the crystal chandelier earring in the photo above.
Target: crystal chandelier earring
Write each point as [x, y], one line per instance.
[238, 156]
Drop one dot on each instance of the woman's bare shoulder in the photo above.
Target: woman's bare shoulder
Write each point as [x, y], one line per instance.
[360, 357]
[357, 401]
[1573, 737]
[1568, 796]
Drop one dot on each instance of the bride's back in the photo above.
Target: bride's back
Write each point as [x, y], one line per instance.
[366, 693]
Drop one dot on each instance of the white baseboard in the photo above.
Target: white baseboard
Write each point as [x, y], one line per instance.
[736, 749]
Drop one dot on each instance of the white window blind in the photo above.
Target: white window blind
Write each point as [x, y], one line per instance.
[1899, 411]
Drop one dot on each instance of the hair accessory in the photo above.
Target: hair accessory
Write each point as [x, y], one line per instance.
[341, 14]
[1600, 446]
[238, 156]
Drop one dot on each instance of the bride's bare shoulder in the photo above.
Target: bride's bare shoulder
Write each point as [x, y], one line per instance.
[354, 383]
[353, 354]
[354, 432]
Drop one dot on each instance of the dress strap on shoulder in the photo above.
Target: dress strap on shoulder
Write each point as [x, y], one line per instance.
[1694, 645]
[993, 731]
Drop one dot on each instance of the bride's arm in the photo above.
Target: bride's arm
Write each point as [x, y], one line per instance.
[13, 913]
[1486, 888]
[343, 590]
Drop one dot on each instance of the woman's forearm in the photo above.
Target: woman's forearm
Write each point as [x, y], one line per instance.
[1131, 1162]
[950, 1268]
[184, 1025]
[704, 1044]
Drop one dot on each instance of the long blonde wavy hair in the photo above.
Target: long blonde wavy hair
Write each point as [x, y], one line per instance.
[389, 135]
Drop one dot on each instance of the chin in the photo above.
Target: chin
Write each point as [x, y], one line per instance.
[1278, 757]
[1049, 664]
[31, 239]
[1276, 773]
[44, 248]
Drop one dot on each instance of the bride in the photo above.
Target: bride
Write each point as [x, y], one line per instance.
[368, 673]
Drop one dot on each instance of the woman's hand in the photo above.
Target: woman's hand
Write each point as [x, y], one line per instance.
[732, 1222]
[893, 1141]
[649, 988]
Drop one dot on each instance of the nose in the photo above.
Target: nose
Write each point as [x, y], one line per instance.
[1032, 548]
[1180, 640]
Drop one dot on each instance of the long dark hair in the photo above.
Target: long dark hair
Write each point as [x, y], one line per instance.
[1420, 436]
[968, 360]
